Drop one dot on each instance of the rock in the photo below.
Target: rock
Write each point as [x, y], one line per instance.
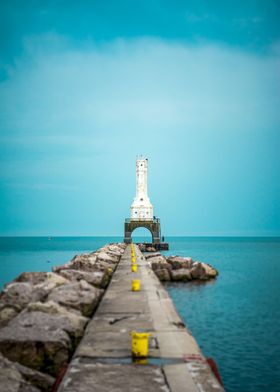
[210, 271]
[155, 254]
[38, 340]
[11, 380]
[52, 281]
[6, 314]
[163, 274]
[17, 377]
[116, 250]
[203, 271]
[106, 256]
[181, 274]
[19, 294]
[83, 262]
[79, 295]
[159, 262]
[160, 267]
[178, 262]
[37, 278]
[77, 321]
[105, 259]
[95, 278]
[158, 259]
[150, 249]
[32, 277]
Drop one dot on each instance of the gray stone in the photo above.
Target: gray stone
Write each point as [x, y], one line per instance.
[105, 259]
[32, 277]
[181, 274]
[151, 255]
[203, 271]
[12, 375]
[95, 278]
[11, 379]
[79, 295]
[158, 259]
[6, 314]
[83, 262]
[19, 294]
[150, 249]
[163, 274]
[38, 340]
[107, 256]
[77, 321]
[178, 262]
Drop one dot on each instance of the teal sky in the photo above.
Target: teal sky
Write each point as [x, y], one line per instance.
[192, 85]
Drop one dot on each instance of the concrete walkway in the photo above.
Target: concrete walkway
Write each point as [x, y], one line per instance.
[102, 362]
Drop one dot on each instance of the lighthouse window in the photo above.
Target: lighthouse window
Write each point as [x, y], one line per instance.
[141, 199]
[135, 212]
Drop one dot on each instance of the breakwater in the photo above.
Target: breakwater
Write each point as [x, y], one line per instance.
[43, 329]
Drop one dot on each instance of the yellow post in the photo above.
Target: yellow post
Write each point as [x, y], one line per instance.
[133, 259]
[134, 267]
[135, 285]
[139, 344]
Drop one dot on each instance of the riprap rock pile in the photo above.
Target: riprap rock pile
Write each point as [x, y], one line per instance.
[43, 316]
[176, 268]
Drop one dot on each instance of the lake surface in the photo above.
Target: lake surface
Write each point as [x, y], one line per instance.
[235, 319]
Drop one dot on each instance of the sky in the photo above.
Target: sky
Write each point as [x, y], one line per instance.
[87, 86]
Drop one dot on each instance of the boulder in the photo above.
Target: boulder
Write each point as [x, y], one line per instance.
[38, 340]
[77, 295]
[19, 378]
[95, 278]
[19, 294]
[210, 271]
[32, 277]
[40, 277]
[203, 271]
[107, 256]
[181, 274]
[77, 321]
[83, 262]
[155, 254]
[178, 262]
[104, 259]
[6, 314]
[159, 262]
[163, 274]
[150, 249]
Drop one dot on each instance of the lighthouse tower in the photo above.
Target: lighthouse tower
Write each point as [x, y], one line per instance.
[141, 209]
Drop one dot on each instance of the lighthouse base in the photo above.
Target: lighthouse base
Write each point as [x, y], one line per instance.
[152, 225]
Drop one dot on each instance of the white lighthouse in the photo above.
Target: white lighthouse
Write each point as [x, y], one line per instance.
[141, 209]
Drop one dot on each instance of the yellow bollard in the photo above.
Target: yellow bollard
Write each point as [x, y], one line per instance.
[139, 344]
[133, 259]
[134, 268]
[135, 285]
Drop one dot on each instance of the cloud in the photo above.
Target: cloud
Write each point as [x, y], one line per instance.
[206, 116]
[146, 84]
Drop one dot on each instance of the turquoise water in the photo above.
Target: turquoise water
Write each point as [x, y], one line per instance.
[235, 319]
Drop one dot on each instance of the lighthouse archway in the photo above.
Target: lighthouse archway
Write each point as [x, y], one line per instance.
[153, 226]
[141, 234]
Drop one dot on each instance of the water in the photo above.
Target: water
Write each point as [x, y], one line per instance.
[235, 319]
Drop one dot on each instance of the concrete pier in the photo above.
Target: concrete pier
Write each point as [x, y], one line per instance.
[103, 361]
